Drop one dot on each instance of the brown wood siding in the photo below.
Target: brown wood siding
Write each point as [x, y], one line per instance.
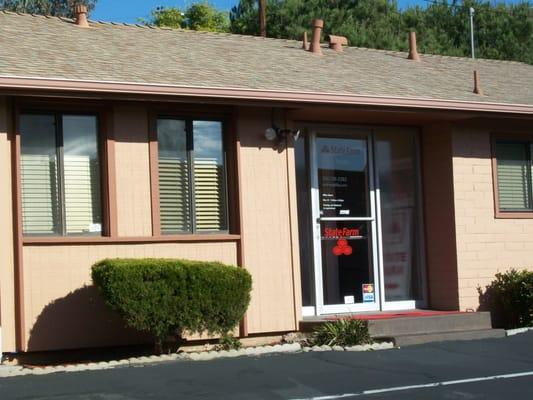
[61, 312]
[266, 225]
[132, 160]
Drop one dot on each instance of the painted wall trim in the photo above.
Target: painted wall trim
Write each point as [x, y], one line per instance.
[109, 183]
[234, 133]
[14, 82]
[103, 240]
[20, 329]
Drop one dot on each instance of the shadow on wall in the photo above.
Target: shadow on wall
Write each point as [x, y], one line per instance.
[81, 320]
[488, 303]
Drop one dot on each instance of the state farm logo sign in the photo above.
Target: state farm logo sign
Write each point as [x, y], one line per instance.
[336, 233]
[342, 248]
[334, 149]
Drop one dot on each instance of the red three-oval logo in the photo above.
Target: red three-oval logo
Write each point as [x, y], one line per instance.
[342, 248]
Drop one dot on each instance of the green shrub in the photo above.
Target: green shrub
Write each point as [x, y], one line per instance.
[344, 332]
[510, 299]
[228, 342]
[168, 297]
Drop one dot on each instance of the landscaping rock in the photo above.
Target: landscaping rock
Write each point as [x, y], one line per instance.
[295, 337]
[354, 348]
[8, 371]
[292, 347]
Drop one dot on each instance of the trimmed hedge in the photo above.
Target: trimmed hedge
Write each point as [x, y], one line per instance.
[170, 297]
[510, 299]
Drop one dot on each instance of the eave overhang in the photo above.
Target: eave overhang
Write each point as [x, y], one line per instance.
[87, 86]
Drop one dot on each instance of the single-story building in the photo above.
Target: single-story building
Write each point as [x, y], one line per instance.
[344, 179]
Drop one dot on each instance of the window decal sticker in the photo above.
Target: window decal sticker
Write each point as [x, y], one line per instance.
[342, 248]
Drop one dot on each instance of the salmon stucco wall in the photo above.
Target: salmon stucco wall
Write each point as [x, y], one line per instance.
[270, 250]
[485, 244]
[7, 285]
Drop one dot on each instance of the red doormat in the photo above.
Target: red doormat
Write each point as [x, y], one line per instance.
[404, 314]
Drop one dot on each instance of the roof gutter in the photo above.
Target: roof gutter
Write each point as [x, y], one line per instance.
[70, 85]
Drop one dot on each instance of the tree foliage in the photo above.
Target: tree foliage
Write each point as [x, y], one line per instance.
[200, 16]
[58, 8]
[502, 31]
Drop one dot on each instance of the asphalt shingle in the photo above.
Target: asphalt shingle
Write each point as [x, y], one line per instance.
[48, 47]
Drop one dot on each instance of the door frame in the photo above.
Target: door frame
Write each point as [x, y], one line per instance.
[320, 307]
[380, 304]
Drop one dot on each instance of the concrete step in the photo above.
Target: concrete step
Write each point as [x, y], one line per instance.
[430, 324]
[413, 339]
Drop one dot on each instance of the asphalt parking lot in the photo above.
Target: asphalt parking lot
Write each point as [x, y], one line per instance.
[485, 369]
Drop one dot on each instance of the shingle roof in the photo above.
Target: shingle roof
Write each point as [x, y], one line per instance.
[49, 47]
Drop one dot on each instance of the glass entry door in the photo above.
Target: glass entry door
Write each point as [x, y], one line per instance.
[366, 248]
[344, 223]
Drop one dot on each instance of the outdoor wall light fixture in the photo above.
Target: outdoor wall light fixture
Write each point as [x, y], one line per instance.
[274, 133]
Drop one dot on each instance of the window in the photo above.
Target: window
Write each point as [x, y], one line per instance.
[60, 175]
[192, 185]
[513, 173]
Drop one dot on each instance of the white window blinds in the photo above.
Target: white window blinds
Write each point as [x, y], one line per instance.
[60, 175]
[81, 173]
[39, 175]
[514, 176]
[174, 193]
[209, 185]
[191, 199]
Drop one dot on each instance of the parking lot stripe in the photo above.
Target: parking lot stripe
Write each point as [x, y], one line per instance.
[421, 386]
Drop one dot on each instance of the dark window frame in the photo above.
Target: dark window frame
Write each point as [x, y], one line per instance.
[526, 140]
[189, 123]
[59, 145]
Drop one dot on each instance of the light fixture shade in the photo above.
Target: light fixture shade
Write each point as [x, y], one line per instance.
[270, 134]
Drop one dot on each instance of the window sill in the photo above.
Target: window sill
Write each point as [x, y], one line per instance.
[513, 215]
[80, 240]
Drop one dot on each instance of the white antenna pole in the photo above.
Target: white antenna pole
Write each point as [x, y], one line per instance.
[472, 11]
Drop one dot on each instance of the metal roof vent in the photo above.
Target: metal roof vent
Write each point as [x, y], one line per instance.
[336, 42]
[80, 13]
[413, 51]
[305, 44]
[477, 84]
[318, 24]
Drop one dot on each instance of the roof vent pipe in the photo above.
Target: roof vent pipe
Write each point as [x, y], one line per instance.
[336, 42]
[305, 44]
[477, 85]
[318, 24]
[413, 51]
[80, 13]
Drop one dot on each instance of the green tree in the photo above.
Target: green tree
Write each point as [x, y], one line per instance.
[170, 17]
[59, 8]
[502, 31]
[200, 16]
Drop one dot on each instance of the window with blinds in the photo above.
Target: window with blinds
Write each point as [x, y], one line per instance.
[192, 187]
[514, 176]
[60, 174]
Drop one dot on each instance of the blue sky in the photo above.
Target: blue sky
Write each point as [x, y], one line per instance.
[131, 10]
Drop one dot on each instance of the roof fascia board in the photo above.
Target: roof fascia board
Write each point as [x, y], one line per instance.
[13, 82]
